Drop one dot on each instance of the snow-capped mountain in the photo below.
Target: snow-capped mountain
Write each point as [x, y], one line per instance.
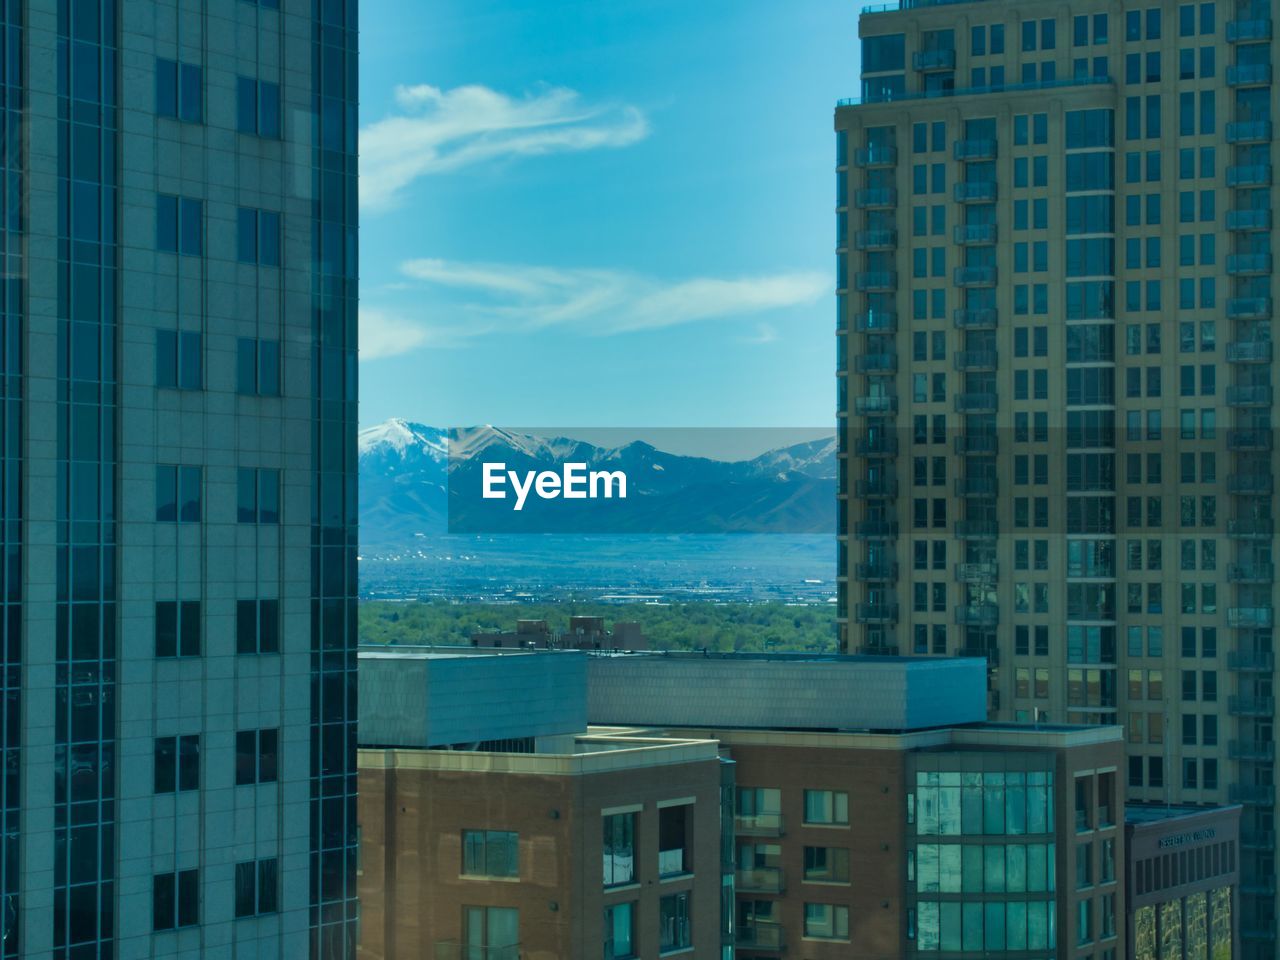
[406, 470]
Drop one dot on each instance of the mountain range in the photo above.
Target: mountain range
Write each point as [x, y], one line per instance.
[413, 475]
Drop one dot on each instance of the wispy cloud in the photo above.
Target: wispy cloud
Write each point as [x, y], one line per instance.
[437, 131]
[486, 297]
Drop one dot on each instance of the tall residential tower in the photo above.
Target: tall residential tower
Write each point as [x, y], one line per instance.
[1055, 376]
[178, 354]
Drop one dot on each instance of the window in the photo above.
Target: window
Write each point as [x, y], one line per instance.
[826, 864]
[257, 107]
[490, 853]
[179, 360]
[175, 900]
[620, 931]
[826, 807]
[258, 237]
[491, 932]
[826, 921]
[257, 626]
[179, 91]
[177, 763]
[256, 753]
[177, 494]
[179, 225]
[258, 367]
[177, 628]
[674, 847]
[619, 849]
[257, 495]
[673, 923]
[256, 885]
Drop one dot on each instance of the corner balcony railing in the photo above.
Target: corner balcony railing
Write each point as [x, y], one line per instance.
[1251, 706]
[1249, 131]
[1246, 661]
[1248, 220]
[976, 191]
[1249, 351]
[982, 318]
[882, 572]
[876, 321]
[878, 650]
[976, 487]
[927, 61]
[869, 157]
[759, 825]
[977, 572]
[1249, 395]
[875, 529]
[978, 615]
[1252, 572]
[980, 276]
[1249, 75]
[875, 239]
[881, 446]
[1246, 439]
[969, 361]
[875, 198]
[1252, 751]
[760, 936]
[1250, 617]
[876, 613]
[976, 402]
[1250, 484]
[879, 362]
[870, 406]
[1249, 308]
[1249, 175]
[975, 234]
[967, 150]
[1248, 264]
[1248, 31]
[1258, 839]
[760, 880]
[1256, 794]
[1251, 528]
[876, 281]
[877, 488]
[977, 529]
[977, 444]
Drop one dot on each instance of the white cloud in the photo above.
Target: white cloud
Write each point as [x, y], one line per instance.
[438, 131]
[488, 297]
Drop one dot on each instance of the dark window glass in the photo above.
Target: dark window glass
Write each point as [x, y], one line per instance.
[246, 889]
[190, 93]
[166, 628]
[246, 495]
[191, 226]
[247, 235]
[166, 764]
[267, 885]
[166, 494]
[166, 223]
[189, 494]
[268, 496]
[188, 898]
[189, 762]
[246, 105]
[267, 753]
[166, 88]
[269, 368]
[190, 361]
[246, 757]
[268, 109]
[246, 626]
[189, 627]
[163, 901]
[269, 626]
[246, 366]
[166, 359]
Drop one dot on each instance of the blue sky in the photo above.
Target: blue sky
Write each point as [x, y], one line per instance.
[604, 213]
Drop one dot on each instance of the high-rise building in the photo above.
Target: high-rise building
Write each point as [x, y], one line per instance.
[1055, 376]
[179, 337]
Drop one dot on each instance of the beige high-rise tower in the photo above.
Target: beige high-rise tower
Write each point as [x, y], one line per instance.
[1055, 376]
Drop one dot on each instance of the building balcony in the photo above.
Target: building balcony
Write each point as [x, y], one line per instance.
[966, 150]
[992, 654]
[1263, 707]
[1258, 932]
[875, 198]
[875, 613]
[875, 529]
[977, 572]
[871, 406]
[1258, 839]
[1249, 75]
[760, 936]
[1243, 439]
[1249, 351]
[976, 487]
[875, 239]
[1250, 617]
[760, 880]
[1258, 572]
[876, 321]
[975, 234]
[1252, 395]
[978, 615]
[1248, 220]
[882, 572]
[1249, 308]
[1248, 31]
[977, 529]
[976, 191]
[1243, 661]
[976, 402]
[1252, 751]
[457, 950]
[878, 650]
[972, 361]
[880, 362]
[928, 61]
[881, 446]
[1259, 886]
[1257, 794]
[1249, 264]
[869, 157]
[876, 281]
[879, 488]
[1250, 484]
[1249, 131]
[976, 319]
[1249, 175]
[759, 825]
[1251, 528]
[983, 276]
[977, 444]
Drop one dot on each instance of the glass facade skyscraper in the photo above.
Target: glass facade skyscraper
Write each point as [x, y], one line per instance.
[177, 478]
